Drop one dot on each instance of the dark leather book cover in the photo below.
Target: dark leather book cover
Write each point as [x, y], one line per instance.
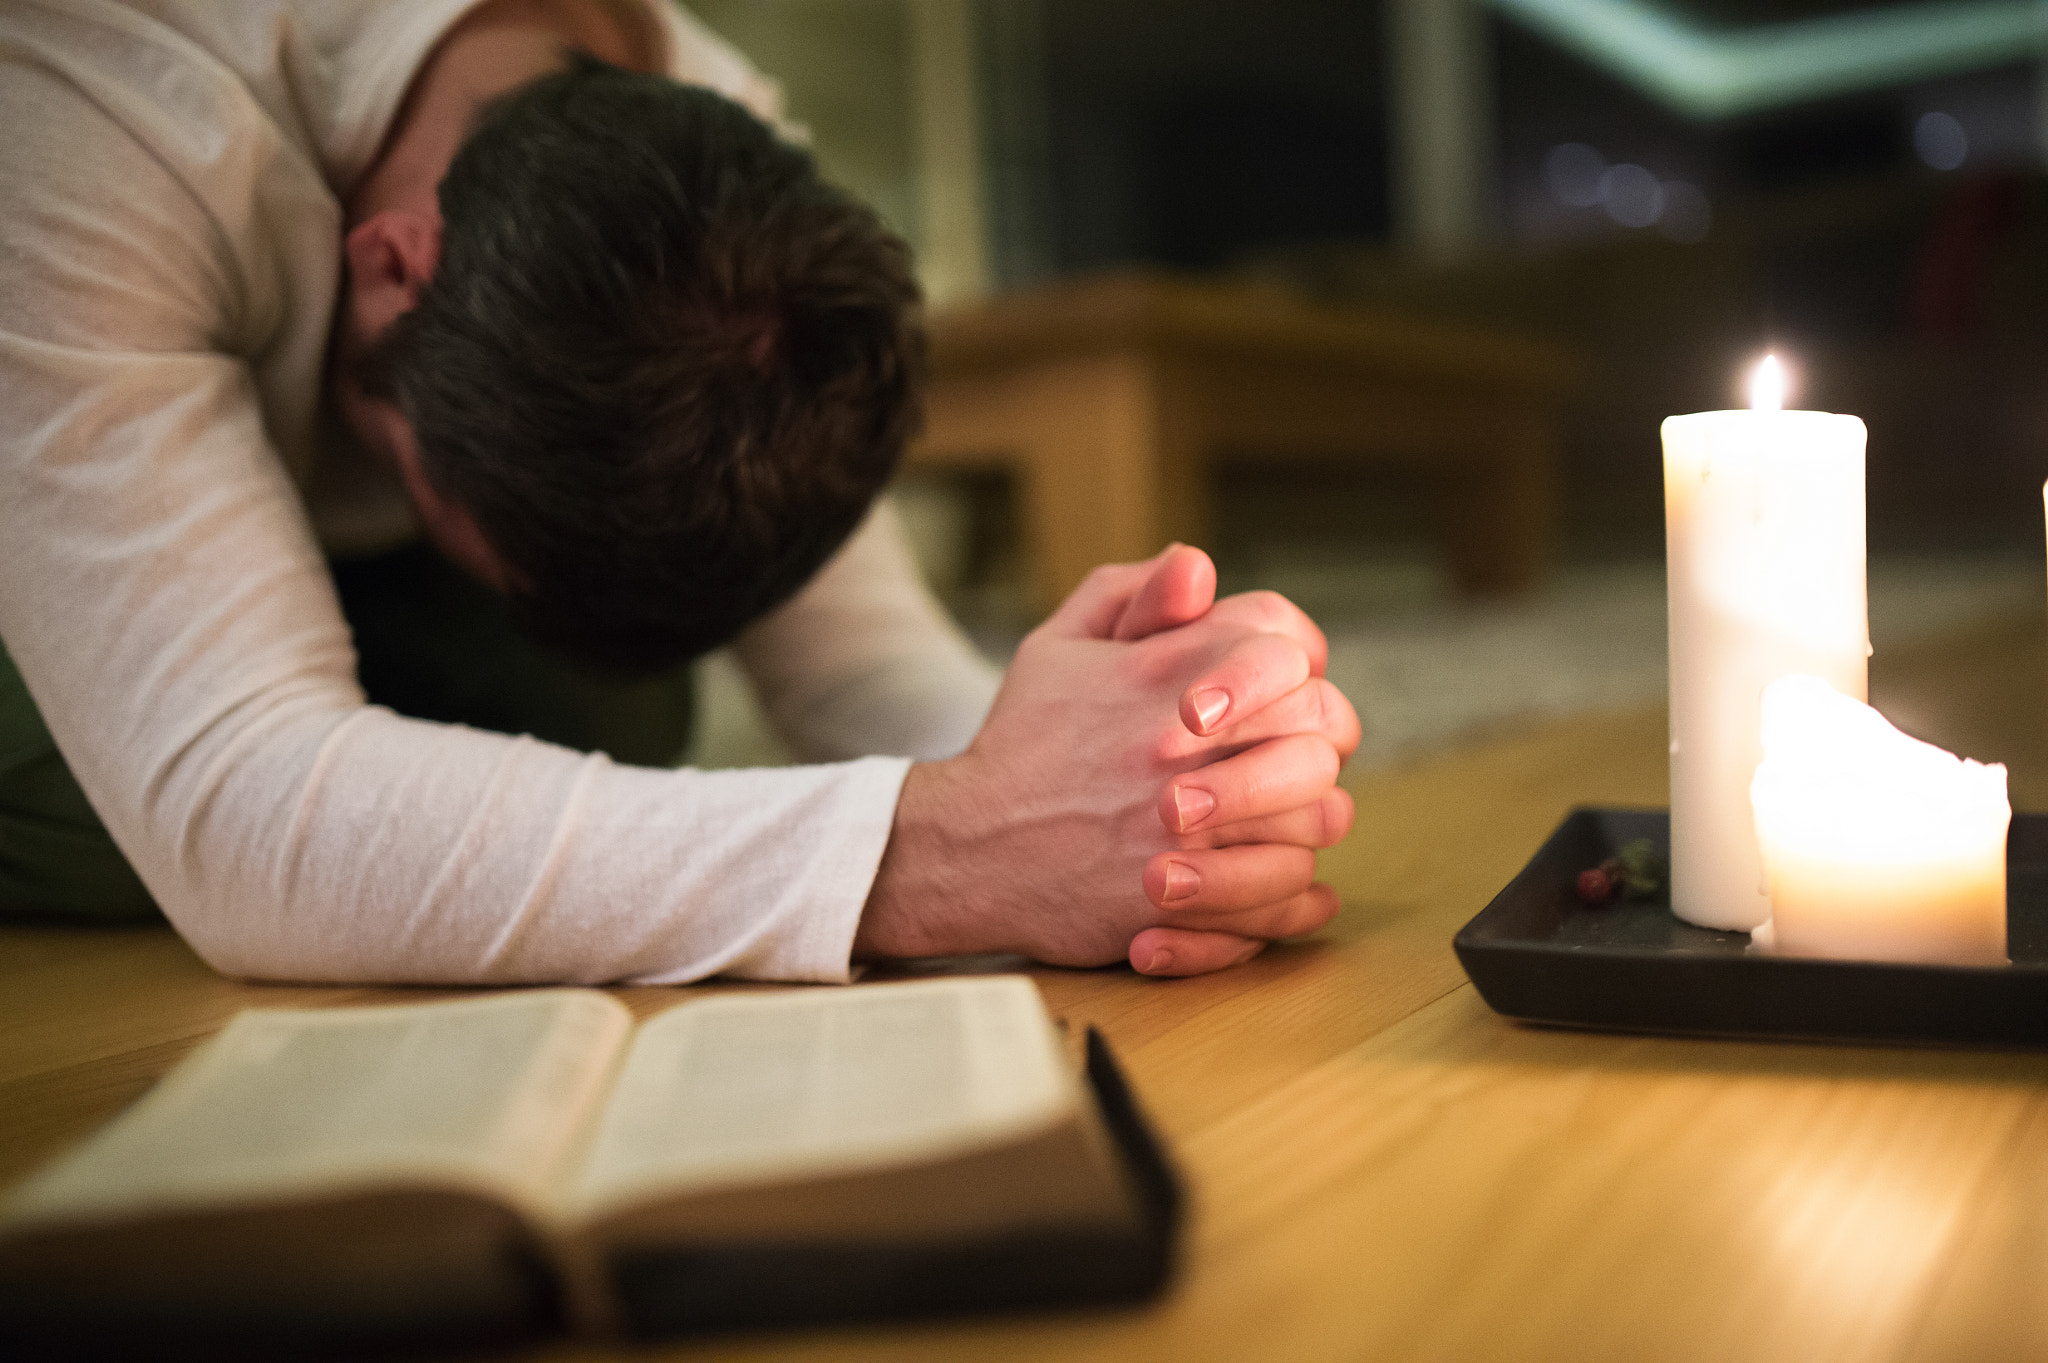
[712, 1289]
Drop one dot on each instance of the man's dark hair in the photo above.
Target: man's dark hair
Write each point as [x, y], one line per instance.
[663, 365]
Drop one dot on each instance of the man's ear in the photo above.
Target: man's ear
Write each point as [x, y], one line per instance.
[391, 256]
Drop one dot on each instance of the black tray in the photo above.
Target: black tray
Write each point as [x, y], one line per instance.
[1537, 953]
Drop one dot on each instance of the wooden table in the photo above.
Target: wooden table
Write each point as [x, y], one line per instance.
[1110, 399]
[1383, 1169]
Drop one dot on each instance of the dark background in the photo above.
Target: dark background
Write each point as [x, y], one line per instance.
[1241, 138]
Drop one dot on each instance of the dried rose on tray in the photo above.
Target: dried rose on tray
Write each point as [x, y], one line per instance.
[1635, 872]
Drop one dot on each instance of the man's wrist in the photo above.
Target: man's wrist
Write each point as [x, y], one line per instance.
[923, 900]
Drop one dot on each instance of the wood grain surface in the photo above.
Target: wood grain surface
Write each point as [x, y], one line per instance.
[1383, 1169]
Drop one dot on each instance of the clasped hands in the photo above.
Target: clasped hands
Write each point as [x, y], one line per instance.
[1151, 783]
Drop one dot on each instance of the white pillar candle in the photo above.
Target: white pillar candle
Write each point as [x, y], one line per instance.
[1763, 517]
[1877, 846]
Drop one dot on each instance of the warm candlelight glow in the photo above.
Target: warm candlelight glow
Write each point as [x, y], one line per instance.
[1767, 386]
[1763, 523]
[1876, 846]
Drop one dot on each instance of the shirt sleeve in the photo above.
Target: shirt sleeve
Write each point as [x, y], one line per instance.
[863, 660]
[163, 597]
[697, 56]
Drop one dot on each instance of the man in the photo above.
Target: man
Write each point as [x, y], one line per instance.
[1149, 782]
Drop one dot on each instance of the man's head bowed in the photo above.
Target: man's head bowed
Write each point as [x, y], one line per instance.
[662, 365]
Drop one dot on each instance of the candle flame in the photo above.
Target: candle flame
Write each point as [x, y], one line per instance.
[1767, 386]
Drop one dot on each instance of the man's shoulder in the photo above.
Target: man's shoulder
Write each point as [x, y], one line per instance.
[314, 81]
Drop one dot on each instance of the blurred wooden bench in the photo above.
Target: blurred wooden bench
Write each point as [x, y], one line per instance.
[1111, 398]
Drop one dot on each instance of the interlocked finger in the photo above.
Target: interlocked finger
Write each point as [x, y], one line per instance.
[1264, 612]
[1320, 823]
[1170, 952]
[1296, 915]
[1314, 707]
[1224, 880]
[1271, 778]
[1257, 671]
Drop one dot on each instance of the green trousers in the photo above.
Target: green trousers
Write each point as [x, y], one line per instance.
[430, 643]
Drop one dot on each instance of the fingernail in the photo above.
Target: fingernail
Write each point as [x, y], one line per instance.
[1182, 880]
[1210, 703]
[1162, 960]
[1193, 804]
[1254, 949]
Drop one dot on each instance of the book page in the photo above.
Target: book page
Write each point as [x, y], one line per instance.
[752, 1088]
[490, 1093]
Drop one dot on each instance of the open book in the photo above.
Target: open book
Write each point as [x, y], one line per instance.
[494, 1168]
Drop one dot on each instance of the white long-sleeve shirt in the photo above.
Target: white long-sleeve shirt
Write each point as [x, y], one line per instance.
[171, 179]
